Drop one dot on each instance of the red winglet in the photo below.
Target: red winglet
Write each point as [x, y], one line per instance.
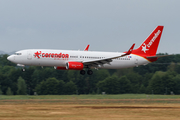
[86, 49]
[130, 50]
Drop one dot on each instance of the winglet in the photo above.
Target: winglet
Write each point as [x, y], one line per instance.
[129, 51]
[86, 49]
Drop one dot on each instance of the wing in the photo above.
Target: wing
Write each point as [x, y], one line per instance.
[101, 62]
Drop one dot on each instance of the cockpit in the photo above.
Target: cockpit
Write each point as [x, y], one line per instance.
[18, 53]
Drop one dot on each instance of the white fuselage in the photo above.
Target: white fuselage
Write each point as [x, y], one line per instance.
[48, 57]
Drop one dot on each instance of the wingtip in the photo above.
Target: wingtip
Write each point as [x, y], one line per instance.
[86, 49]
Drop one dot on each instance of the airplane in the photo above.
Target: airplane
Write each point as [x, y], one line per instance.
[86, 60]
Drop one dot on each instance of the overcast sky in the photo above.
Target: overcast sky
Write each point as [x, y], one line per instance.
[107, 25]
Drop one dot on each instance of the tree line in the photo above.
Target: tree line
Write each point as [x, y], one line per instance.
[160, 77]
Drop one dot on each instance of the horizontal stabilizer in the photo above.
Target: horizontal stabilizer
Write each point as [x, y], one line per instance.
[157, 56]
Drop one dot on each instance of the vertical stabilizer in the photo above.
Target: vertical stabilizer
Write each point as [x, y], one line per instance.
[150, 45]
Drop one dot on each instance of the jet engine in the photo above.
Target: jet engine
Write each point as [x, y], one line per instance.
[60, 68]
[74, 66]
[71, 66]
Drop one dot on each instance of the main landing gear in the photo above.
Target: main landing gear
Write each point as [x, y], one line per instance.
[83, 72]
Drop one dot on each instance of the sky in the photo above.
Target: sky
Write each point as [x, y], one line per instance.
[107, 25]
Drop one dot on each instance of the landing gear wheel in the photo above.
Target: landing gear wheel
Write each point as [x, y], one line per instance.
[89, 72]
[82, 72]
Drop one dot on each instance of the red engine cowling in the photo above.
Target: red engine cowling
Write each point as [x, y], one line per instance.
[60, 68]
[74, 66]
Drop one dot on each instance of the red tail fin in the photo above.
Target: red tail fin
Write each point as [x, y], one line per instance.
[150, 45]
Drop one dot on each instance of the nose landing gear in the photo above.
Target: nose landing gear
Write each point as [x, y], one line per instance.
[22, 66]
[23, 69]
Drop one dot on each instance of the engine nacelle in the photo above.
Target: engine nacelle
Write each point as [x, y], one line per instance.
[60, 68]
[74, 66]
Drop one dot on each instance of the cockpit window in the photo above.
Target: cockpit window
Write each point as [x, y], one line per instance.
[18, 54]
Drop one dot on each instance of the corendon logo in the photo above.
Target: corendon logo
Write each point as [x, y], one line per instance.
[37, 54]
[144, 48]
[50, 55]
[153, 39]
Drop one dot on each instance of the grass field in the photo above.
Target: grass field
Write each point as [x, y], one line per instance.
[119, 96]
[88, 107]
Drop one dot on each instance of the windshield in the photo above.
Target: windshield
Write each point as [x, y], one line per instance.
[18, 54]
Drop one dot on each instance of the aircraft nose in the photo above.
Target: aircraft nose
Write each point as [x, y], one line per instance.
[10, 58]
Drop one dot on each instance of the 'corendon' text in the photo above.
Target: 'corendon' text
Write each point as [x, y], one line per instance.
[154, 38]
[50, 55]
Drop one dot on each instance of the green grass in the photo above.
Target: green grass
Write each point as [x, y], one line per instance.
[119, 96]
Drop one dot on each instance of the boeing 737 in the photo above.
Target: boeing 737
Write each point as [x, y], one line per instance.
[82, 60]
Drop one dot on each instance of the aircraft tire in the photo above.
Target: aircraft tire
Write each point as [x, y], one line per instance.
[82, 72]
[89, 72]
